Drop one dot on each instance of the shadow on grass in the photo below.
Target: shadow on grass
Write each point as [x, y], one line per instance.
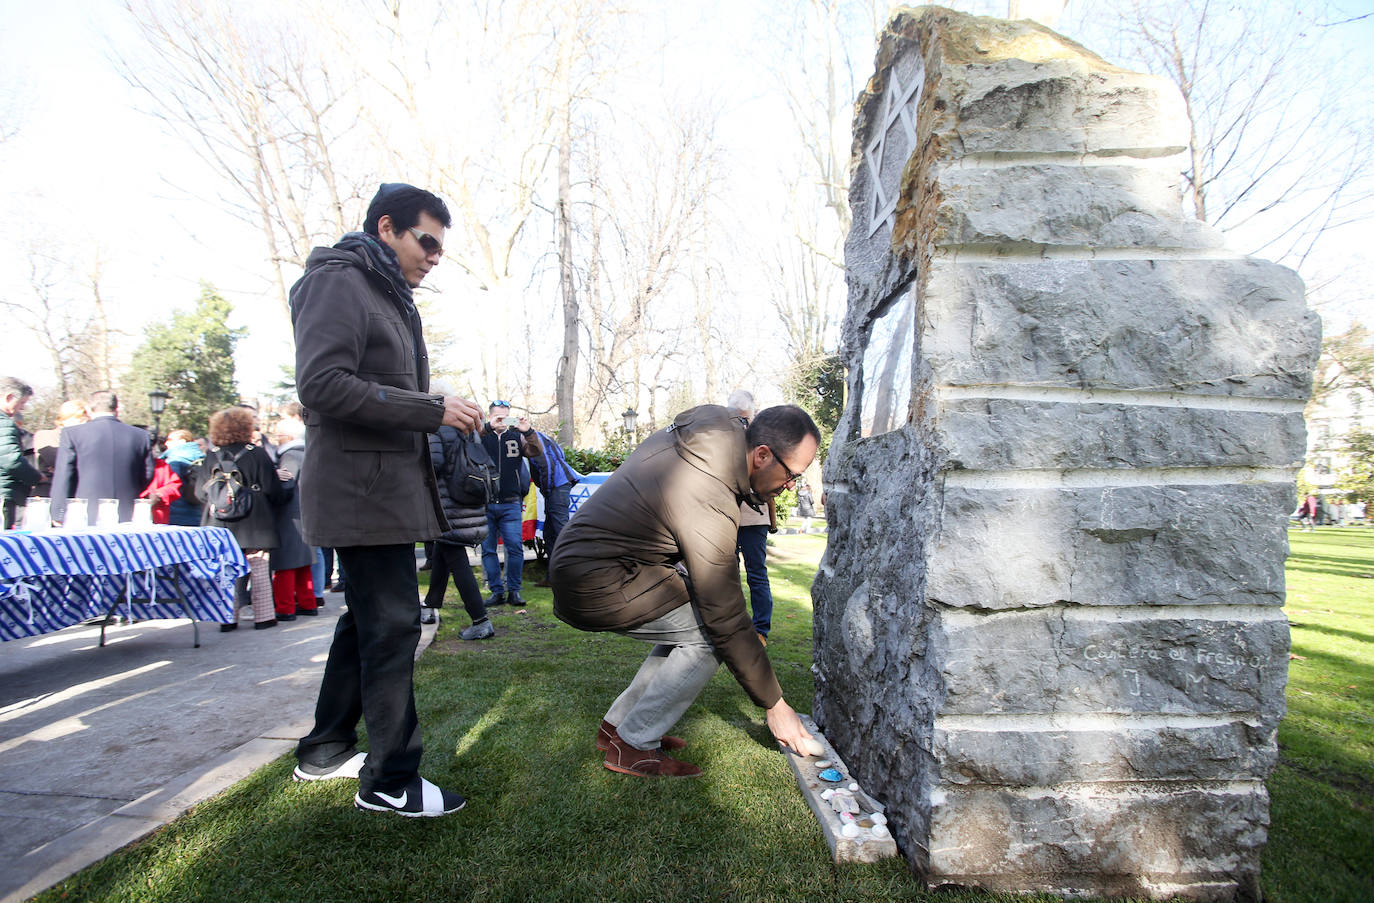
[1332, 631]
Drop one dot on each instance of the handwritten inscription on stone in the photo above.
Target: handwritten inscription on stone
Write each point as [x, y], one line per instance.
[1121, 651]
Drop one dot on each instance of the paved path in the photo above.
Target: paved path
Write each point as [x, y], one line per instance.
[98, 747]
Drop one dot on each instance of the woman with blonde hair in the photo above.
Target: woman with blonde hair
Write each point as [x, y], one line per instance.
[45, 442]
[231, 447]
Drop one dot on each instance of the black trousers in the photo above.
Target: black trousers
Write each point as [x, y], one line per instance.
[451, 559]
[371, 669]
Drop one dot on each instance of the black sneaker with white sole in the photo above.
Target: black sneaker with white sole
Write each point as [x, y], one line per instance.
[418, 799]
[347, 768]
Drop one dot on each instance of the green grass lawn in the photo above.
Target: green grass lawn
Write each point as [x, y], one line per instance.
[510, 723]
[1321, 842]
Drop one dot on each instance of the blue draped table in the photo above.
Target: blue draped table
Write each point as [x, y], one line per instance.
[56, 578]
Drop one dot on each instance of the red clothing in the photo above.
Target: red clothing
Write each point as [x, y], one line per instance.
[163, 490]
[293, 590]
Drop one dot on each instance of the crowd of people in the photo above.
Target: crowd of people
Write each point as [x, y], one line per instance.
[1319, 511]
[373, 459]
[90, 454]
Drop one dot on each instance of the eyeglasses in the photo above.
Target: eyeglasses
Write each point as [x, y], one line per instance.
[791, 477]
[428, 243]
[498, 403]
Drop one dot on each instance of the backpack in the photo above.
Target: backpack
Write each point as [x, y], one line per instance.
[555, 463]
[228, 496]
[469, 476]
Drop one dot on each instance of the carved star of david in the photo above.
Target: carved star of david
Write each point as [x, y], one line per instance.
[898, 128]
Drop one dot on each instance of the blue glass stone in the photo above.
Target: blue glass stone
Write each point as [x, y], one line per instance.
[831, 774]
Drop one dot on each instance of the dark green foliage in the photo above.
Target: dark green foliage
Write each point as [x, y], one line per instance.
[1358, 478]
[606, 458]
[816, 384]
[190, 356]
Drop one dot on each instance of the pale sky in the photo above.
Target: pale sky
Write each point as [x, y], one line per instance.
[87, 174]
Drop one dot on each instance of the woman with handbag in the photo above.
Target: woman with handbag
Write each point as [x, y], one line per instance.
[239, 486]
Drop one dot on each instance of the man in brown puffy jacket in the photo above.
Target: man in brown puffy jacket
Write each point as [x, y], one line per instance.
[651, 554]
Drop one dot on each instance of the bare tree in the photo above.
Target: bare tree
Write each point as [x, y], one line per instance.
[485, 147]
[259, 109]
[643, 227]
[804, 289]
[565, 376]
[13, 101]
[1347, 362]
[61, 326]
[820, 70]
[1280, 141]
[100, 326]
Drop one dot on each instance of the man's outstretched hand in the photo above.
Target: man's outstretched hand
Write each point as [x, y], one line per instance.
[461, 413]
[787, 727]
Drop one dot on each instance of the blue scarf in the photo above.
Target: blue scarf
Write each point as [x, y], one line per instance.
[187, 453]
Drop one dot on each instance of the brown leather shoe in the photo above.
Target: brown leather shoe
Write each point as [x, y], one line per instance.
[646, 763]
[607, 731]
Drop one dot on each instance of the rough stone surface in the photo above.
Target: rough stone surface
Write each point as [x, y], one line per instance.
[1060, 106]
[1048, 756]
[1104, 838]
[1049, 205]
[996, 434]
[1206, 327]
[1133, 545]
[1062, 660]
[1047, 626]
[876, 627]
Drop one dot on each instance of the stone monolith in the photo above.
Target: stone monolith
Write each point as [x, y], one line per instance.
[1049, 625]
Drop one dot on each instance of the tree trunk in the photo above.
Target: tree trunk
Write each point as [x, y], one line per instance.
[567, 363]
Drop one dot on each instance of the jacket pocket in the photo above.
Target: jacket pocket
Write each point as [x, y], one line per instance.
[389, 348]
[354, 437]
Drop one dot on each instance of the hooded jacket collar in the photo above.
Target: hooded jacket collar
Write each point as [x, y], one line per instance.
[371, 255]
[712, 441]
[380, 259]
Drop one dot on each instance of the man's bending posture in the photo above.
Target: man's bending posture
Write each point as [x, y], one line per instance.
[651, 554]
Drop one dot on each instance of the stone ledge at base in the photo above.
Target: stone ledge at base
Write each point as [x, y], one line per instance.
[865, 847]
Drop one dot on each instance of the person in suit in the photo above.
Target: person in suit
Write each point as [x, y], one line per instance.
[101, 459]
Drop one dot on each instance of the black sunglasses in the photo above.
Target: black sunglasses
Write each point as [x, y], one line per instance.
[428, 243]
